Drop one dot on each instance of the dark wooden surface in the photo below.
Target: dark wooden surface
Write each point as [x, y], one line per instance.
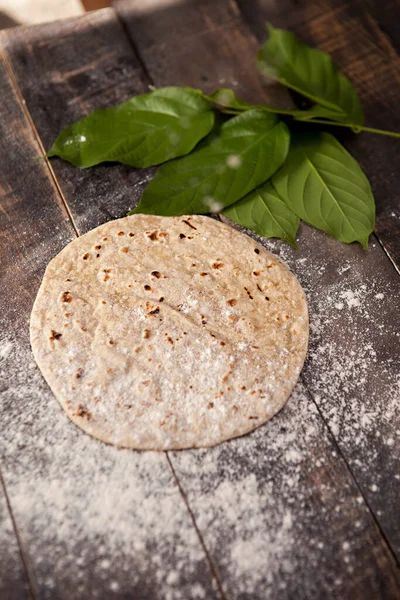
[362, 38]
[305, 507]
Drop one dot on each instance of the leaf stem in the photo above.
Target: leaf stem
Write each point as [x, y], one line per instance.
[353, 126]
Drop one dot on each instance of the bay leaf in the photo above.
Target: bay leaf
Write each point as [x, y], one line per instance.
[263, 211]
[310, 72]
[245, 152]
[146, 130]
[325, 187]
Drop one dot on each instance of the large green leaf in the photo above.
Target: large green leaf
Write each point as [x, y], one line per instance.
[146, 130]
[247, 150]
[263, 211]
[323, 185]
[310, 72]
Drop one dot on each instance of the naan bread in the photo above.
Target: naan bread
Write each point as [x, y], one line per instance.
[169, 332]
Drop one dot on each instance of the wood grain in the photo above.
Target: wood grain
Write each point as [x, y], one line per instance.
[65, 70]
[361, 38]
[355, 409]
[94, 521]
[14, 584]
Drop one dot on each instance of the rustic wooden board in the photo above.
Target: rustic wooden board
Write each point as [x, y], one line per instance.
[351, 377]
[94, 521]
[360, 46]
[13, 579]
[66, 69]
[263, 498]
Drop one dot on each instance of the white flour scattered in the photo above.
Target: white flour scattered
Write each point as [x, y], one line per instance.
[270, 506]
[87, 508]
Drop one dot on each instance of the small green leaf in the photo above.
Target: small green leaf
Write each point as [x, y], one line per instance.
[324, 186]
[310, 72]
[146, 130]
[247, 150]
[263, 211]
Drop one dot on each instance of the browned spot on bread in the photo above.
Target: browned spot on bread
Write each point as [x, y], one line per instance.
[106, 276]
[125, 249]
[203, 274]
[244, 387]
[218, 265]
[235, 408]
[156, 274]
[54, 335]
[223, 344]
[111, 342]
[82, 411]
[256, 273]
[66, 297]
[121, 233]
[182, 235]
[79, 373]
[231, 302]
[152, 310]
[170, 340]
[97, 247]
[210, 405]
[105, 239]
[161, 299]
[103, 302]
[248, 293]
[67, 315]
[267, 298]
[253, 418]
[86, 256]
[147, 288]
[189, 224]
[153, 236]
[131, 234]
[226, 376]
[146, 383]
[256, 250]
[146, 334]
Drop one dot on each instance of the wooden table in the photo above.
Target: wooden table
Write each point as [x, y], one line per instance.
[305, 507]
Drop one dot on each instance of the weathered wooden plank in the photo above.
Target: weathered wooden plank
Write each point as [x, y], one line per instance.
[66, 69]
[14, 584]
[94, 521]
[360, 47]
[347, 374]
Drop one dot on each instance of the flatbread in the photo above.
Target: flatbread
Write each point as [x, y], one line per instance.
[169, 332]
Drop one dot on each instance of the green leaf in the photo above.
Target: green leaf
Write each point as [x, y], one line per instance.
[227, 98]
[247, 150]
[146, 130]
[230, 103]
[310, 72]
[263, 211]
[324, 186]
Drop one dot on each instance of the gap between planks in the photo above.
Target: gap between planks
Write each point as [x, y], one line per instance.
[17, 90]
[351, 473]
[28, 574]
[35, 132]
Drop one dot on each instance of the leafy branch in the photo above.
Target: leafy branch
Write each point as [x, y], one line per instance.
[253, 167]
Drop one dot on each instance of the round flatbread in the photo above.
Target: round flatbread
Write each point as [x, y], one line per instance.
[169, 332]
